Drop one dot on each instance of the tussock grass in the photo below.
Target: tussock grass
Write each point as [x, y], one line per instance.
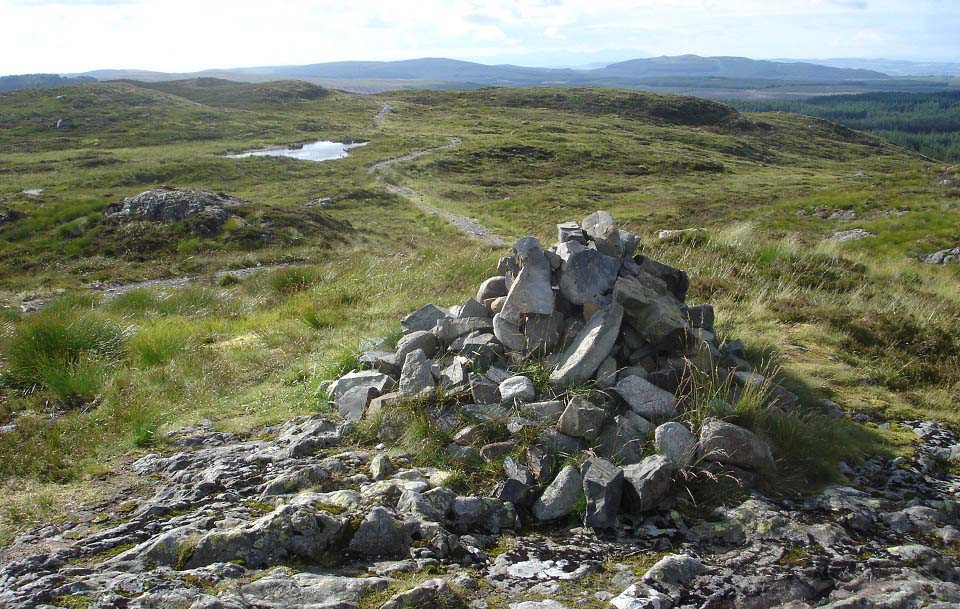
[63, 350]
[159, 342]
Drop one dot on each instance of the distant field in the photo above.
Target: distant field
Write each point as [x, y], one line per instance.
[926, 122]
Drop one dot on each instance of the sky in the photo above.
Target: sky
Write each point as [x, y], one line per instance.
[63, 36]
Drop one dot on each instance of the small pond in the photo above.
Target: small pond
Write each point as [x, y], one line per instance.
[315, 151]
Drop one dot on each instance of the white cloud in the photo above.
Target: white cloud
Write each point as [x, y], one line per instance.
[184, 35]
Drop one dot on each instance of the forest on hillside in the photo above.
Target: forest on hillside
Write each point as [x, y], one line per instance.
[928, 123]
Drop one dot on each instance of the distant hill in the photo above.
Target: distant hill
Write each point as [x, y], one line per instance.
[733, 68]
[893, 67]
[39, 81]
[227, 93]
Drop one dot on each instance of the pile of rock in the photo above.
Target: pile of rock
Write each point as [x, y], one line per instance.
[943, 256]
[207, 210]
[619, 341]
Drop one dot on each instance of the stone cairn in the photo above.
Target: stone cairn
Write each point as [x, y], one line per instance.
[619, 341]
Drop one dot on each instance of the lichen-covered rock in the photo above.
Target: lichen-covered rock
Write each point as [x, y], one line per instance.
[646, 399]
[674, 441]
[209, 209]
[287, 533]
[381, 534]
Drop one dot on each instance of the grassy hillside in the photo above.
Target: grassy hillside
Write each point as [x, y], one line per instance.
[926, 122]
[92, 381]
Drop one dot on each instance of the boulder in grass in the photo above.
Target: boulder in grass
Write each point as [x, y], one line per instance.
[370, 378]
[582, 419]
[733, 445]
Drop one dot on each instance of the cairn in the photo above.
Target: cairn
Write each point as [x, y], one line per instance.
[619, 341]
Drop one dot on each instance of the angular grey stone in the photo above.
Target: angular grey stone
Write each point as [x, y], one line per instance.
[483, 349]
[603, 487]
[588, 277]
[733, 445]
[560, 498]
[353, 404]
[418, 339]
[547, 412]
[646, 399]
[474, 308]
[700, 316]
[542, 333]
[494, 287]
[540, 463]
[570, 231]
[371, 378]
[518, 472]
[484, 513]
[483, 390]
[468, 436]
[416, 379]
[456, 376]
[463, 454]
[601, 228]
[497, 450]
[381, 534]
[675, 442]
[622, 439]
[498, 375]
[530, 292]
[569, 248]
[499, 413]
[514, 491]
[582, 419]
[647, 483]
[508, 333]
[424, 318]
[381, 361]
[656, 317]
[556, 443]
[591, 346]
[629, 243]
[607, 374]
[675, 570]
[381, 467]
[517, 389]
[448, 330]
[676, 280]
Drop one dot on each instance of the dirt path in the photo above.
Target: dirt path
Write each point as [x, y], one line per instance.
[112, 290]
[384, 110]
[468, 226]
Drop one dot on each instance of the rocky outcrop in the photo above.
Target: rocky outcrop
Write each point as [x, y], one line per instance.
[205, 210]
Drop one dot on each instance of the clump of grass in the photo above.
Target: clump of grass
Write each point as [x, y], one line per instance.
[67, 352]
[292, 280]
[136, 302]
[191, 301]
[228, 280]
[161, 341]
